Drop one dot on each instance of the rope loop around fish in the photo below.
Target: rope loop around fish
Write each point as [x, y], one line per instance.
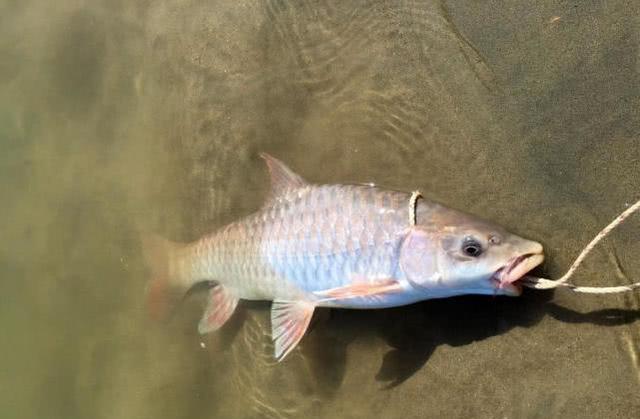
[413, 201]
[544, 283]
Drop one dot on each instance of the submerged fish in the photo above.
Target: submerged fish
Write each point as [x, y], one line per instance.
[349, 246]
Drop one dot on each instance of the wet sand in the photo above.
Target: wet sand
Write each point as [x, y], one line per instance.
[117, 116]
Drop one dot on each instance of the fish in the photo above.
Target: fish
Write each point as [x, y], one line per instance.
[354, 246]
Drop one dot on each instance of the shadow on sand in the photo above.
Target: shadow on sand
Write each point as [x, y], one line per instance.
[414, 332]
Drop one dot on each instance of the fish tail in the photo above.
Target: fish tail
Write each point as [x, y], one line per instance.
[166, 283]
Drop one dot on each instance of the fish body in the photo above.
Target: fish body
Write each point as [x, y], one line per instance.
[349, 246]
[307, 240]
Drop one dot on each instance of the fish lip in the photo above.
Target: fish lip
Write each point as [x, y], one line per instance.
[505, 278]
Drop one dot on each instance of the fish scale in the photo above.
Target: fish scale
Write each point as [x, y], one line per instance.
[292, 246]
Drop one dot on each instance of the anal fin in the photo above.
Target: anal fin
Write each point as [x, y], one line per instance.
[221, 305]
[289, 321]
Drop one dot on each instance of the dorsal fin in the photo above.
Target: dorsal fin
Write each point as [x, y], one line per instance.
[282, 178]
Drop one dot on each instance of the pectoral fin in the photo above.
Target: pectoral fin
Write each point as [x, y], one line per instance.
[362, 289]
[289, 321]
[220, 307]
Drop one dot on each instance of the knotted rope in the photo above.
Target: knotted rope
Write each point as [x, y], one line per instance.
[544, 283]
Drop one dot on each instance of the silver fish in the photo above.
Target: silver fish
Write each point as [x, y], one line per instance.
[349, 246]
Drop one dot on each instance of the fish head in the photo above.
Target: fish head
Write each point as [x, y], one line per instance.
[452, 253]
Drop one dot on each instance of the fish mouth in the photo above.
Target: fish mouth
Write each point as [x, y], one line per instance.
[505, 278]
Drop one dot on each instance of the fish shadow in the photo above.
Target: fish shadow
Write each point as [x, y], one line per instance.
[414, 332]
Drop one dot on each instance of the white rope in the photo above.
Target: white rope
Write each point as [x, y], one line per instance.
[543, 283]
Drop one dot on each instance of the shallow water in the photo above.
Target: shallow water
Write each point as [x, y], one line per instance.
[116, 116]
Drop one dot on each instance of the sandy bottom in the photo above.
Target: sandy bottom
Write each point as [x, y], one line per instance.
[120, 116]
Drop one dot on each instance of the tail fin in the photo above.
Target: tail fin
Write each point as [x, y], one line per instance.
[165, 287]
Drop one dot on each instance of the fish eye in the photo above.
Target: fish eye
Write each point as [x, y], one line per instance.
[471, 247]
